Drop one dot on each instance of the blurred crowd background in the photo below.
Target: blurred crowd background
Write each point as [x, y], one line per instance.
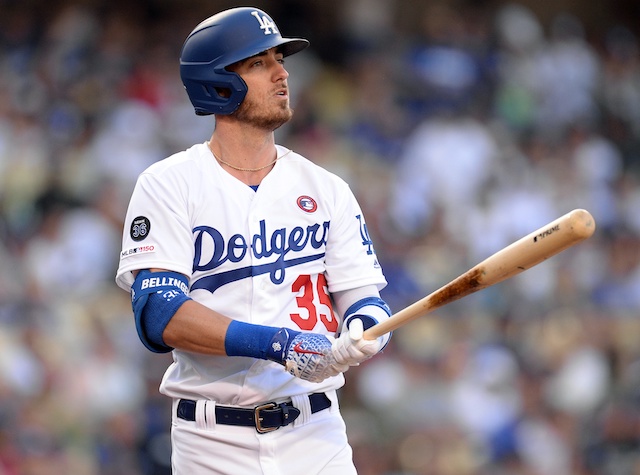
[461, 126]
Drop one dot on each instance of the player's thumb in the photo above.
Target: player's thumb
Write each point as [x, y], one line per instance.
[356, 329]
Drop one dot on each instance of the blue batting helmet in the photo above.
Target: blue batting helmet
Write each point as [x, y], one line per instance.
[219, 41]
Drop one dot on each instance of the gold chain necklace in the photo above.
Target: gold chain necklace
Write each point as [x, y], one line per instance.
[245, 169]
[241, 169]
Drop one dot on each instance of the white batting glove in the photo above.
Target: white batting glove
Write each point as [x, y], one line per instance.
[351, 348]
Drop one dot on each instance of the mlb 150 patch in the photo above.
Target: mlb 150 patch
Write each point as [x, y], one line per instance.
[132, 251]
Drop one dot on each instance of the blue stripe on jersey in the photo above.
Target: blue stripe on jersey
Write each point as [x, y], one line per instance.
[276, 269]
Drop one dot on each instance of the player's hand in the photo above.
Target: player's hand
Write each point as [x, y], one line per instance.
[351, 348]
[307, 356]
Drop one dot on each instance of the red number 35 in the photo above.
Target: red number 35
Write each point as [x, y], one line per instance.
[304, 286]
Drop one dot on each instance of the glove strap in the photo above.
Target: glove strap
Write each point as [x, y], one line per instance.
[277, 350]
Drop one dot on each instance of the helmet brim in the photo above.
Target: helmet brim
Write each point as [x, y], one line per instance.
[286, 46]
[292, 46]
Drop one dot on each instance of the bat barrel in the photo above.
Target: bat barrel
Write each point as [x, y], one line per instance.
[536, 247]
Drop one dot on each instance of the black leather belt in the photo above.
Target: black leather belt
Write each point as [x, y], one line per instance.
[264, 418]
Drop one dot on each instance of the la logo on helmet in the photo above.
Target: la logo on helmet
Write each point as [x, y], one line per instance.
[266, 23]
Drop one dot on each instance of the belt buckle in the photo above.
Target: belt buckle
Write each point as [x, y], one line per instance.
[258, 419]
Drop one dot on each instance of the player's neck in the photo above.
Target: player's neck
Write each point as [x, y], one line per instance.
[248, 157]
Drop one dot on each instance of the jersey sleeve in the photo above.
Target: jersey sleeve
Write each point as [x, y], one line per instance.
[351, 260]
[157, 231]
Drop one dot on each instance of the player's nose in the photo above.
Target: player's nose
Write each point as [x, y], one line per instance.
[280, 72]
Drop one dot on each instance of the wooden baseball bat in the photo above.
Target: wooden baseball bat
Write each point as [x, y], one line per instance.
[549, 240]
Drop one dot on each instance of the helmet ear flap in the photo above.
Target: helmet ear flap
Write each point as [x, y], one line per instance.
[220, 92]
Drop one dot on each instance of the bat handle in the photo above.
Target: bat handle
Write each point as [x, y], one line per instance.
[396, 319]
[374, 332]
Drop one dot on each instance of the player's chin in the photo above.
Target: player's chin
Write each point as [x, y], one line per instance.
[285, 109]
[279, 118]
[267, 122]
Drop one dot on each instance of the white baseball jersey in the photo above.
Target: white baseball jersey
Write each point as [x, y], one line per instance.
[269, 257]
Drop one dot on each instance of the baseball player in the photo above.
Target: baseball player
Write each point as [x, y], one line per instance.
[254, 267]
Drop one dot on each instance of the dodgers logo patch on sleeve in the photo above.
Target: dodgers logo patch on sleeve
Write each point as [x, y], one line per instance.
[140, 228]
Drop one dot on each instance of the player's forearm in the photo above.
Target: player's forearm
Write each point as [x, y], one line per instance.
[197, 329]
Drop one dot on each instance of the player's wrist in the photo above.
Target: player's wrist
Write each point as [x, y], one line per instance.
[258, 341]
[279, 345]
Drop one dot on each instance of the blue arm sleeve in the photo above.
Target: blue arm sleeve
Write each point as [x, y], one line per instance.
[155, 298]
